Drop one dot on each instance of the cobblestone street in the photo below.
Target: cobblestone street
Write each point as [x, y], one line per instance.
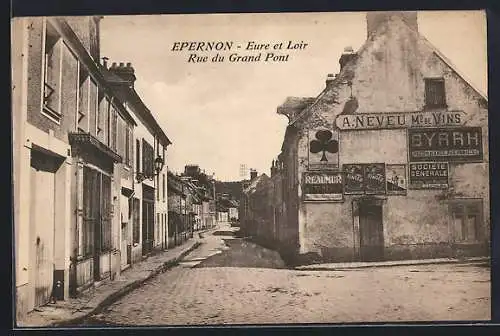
[234, 286]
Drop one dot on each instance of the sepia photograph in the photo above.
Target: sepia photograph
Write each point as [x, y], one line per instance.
[250, 169]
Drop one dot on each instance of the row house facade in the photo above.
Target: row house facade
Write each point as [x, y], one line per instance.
[73, 156]
[390, 161]
[144, 211]
[191, 205]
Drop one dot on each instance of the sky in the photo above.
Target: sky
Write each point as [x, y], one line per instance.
[220, 115]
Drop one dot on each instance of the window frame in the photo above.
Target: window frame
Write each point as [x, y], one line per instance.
[432, 81]
[56, 47]
[465, 206]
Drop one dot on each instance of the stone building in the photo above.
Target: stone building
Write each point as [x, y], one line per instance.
[73, 155]
[67, 160]
[390, 161]
[143, 195]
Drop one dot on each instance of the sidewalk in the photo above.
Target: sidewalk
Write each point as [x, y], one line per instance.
[74, 310]
[358, 265]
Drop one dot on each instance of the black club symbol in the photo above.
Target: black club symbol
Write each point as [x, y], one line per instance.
[324, 144]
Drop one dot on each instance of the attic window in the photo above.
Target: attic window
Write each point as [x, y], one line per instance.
[435, 96]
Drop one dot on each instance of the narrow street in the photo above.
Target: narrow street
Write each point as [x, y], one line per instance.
[231, 281]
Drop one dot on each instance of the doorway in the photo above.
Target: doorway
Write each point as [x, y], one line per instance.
[371, 231]
[42, 208]
[148, 212]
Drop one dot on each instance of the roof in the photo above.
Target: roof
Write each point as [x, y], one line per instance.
[346, 71]
[254, 184]
[128, 94]
[293, 105]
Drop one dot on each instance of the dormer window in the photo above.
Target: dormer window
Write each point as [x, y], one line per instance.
[435, 96]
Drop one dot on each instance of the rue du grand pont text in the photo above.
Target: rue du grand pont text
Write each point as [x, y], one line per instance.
[246, 52]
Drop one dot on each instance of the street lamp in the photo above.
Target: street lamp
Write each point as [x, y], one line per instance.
[158, 166]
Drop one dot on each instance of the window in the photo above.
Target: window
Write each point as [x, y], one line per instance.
[106, 213]
[114, 126]
[467, 219]
[51, 74]
[435, 93]
[137, 155]
[128, 141]
[120, 136]
[108, 118]
[101, 111]
[147, 159]
[83, 100]
[93, 107]
[97, 212]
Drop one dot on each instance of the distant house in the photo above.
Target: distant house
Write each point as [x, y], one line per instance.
[255, 217]
[233, 210]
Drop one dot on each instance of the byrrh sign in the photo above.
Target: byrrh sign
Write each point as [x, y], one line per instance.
[460, 144]
[364, 121]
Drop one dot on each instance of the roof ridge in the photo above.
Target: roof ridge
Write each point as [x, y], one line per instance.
[365, 45]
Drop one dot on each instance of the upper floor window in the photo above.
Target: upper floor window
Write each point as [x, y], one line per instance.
[137, 155]
[52, 73]
[83, 120]
[128, 145]
[114, 128]
[102, 117]
[147, 159]
[435, 95]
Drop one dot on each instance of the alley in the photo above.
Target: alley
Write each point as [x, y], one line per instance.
[223, 282]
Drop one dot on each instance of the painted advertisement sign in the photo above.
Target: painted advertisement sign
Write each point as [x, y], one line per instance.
[374, 178]
[364, 178]
[364, 121]
[461, 144]
[396, 183]
[354, 179]
[429, 175]
[323, 149]
[325, 186]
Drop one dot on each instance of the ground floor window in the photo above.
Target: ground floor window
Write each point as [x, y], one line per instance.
[467, 218]
[96, 229]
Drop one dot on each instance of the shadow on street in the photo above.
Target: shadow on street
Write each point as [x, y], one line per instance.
[242, 253]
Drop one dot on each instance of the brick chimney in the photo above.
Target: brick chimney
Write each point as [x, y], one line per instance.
[375, 19]
[330, 78]
[346, 56]
[124, 71]
[253, 174]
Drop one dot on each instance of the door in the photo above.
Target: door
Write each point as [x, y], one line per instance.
[97, 216]
[147, 226]
[371, 232]
[124, 245]
[42, 207]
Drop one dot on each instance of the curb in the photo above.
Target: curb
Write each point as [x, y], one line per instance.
[127, 289]
[439, 262]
